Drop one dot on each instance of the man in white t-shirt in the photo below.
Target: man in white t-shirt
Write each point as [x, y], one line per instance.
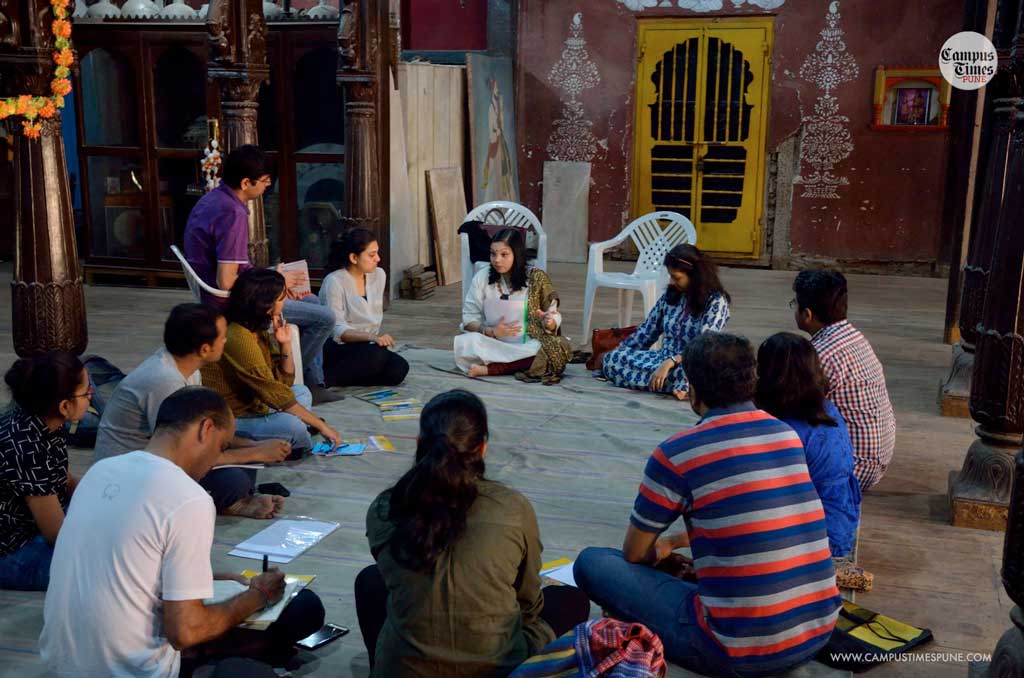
[131, 566]
[194, 336]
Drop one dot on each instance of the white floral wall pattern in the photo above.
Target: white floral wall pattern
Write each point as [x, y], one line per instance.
[826, 138]
[573, 140]
[699, 5]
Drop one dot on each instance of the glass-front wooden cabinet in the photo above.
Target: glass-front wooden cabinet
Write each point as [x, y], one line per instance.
[142, 109]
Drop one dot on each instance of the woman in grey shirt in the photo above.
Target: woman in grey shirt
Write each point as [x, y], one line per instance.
[456, 588]
[358, 354]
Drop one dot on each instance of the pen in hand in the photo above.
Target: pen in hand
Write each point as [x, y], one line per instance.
[266, 558]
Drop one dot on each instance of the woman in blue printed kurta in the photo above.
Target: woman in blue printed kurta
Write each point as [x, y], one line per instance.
[694, 302]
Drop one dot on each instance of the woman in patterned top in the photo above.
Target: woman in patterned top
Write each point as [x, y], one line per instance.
[694, 302]
[35, 484]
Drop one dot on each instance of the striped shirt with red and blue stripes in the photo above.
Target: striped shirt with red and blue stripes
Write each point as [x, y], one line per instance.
[766, 592]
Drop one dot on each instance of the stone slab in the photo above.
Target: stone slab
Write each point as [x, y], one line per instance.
[566, 210]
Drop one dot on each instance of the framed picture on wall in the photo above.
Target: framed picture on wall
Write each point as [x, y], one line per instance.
[910, 100]
[912, 106]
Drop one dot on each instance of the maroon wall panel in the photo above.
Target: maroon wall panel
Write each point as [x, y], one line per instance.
[444, 25]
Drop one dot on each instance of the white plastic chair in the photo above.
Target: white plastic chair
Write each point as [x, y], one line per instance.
[509, 214]
[198, 286]
[653, 241]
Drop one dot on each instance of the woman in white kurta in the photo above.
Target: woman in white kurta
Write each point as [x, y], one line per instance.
[358, 354]
[509, 315]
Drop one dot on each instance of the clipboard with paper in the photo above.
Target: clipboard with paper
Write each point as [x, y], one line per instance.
[512, 312]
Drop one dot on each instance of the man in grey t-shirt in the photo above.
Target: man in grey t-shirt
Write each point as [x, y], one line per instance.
[194, 336]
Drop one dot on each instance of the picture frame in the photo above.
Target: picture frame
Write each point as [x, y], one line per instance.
[910, 100]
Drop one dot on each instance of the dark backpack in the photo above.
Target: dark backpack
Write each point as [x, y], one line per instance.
[104, 378]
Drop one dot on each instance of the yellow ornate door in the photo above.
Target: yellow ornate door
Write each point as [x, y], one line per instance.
[701, 117]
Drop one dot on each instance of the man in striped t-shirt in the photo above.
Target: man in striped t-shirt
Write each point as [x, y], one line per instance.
[765, 599]
[856, 382]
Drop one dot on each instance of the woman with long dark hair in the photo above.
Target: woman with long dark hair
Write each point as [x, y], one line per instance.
[694, 302]
[456, 588]
[791, 386]
[256, 373]
[35, 483]
[510, 318]
[359, 354]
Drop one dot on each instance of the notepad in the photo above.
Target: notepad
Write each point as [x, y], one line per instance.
[559, 570]
[284, 540]
[303, 580]
[226, 589]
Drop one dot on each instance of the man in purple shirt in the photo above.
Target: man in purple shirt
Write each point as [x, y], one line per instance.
[217, 248]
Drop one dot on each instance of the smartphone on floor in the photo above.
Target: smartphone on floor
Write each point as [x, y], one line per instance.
[325, 635]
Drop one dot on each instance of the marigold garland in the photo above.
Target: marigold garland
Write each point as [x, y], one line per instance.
[32, 108]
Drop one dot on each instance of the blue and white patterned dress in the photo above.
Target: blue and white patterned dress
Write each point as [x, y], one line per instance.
[632, 364]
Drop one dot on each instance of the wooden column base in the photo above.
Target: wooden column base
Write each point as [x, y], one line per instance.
[955, 391]
[979, 494]
[1008, 657]
[49, 316]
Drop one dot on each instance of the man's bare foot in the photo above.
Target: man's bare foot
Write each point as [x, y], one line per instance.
[261, 506]
[477, 371]
[681, 395]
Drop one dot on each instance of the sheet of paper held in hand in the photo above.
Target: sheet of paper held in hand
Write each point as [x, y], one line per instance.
[283, 540]
[299, 265]
[512, 312]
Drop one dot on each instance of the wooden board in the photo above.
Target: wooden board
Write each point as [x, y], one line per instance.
[434, 104]
[567, 210]
[405, 236]
[448, 208]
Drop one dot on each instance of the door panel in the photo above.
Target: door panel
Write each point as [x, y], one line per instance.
[701, 112]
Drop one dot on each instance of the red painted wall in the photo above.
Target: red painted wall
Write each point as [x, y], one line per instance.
[444, 24]
[889, 212]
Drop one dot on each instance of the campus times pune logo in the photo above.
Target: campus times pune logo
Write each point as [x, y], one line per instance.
[968, 60]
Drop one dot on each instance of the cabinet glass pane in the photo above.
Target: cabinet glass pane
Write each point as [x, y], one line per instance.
[109, 104]
[272, 213]
[319, 115]
[179, 93]
[117, 204]
[266, 119]
[180, 189]
[321, 197]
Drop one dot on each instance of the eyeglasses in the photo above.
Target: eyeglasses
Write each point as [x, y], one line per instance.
[88, 394]
[792, 303]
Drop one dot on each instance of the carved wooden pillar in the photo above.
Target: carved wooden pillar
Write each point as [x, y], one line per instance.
[364, 56]
[47, 289]
[980, 492]
[1008, 657]
[955, 391]
[238, 64]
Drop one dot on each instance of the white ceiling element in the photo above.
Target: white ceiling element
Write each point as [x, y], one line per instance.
[699, 5]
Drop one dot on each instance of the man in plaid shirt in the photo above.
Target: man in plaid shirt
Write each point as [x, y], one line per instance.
[855, 376]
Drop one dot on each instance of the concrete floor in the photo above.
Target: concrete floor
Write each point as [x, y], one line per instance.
[926, 572]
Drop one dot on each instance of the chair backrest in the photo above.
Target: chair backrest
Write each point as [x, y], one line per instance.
[510, 214]
[195, 283]
[653, 240]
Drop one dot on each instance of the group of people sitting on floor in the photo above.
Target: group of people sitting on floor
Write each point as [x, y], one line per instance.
[768, 482]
